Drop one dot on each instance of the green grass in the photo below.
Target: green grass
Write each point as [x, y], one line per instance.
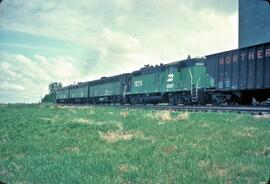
[49, 144]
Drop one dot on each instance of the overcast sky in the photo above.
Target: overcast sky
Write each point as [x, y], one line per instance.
[66, 41]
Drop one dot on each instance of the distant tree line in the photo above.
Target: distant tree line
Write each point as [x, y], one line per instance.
[51, 97]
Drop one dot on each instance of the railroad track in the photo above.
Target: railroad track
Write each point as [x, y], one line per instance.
[260, 110]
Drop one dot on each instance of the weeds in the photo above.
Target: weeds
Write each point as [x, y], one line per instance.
[59, 144]
[115, 136]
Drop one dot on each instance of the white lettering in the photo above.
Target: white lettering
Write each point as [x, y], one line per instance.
[138, 83]
[169, 86]
[170, 77]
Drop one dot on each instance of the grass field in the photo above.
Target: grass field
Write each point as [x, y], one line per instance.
[52, 144]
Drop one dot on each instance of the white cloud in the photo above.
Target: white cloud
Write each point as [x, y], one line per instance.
[22, 76]
[126, 34]
[5, 86]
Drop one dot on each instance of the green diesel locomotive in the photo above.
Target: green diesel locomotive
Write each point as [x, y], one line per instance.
[180, 82]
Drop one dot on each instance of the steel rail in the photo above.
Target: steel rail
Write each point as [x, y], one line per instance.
[207, 108]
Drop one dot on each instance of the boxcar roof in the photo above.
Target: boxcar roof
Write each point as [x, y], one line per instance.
[243, 48]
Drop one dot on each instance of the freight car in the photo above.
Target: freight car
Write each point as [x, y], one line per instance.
[238, 76]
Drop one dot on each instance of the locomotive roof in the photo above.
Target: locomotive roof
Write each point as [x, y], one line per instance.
[101, 80]
[105, 79]
[180, 63]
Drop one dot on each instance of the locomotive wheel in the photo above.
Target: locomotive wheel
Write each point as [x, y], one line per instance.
[216, 101]
[173, 100]
[231, 101]
[143, 102]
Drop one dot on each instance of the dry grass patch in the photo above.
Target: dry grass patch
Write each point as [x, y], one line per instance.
[169, 149]
[160, 115]
[119, 135]
[72, 149]
[59, 106]
[83, 121]
[205, 125]
[91, 111]
[265, 116]
[124, 114]
[118, 124]
[109, 113]
[73, 110]
[151, 139]
[246, 132]
[123, 168]
[202, 164]
[217, 171]
[182, 116]
[166, 116]
[52, 119]
[247, 169]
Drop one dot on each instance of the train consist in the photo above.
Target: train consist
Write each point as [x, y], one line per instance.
[239, 76]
